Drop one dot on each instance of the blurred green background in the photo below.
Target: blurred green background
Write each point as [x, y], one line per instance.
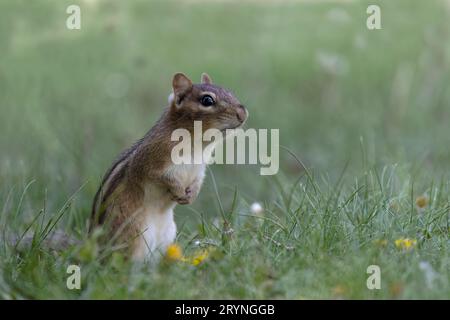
[342, 96]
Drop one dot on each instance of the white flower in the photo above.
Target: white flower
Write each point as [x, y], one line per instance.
[256, 208]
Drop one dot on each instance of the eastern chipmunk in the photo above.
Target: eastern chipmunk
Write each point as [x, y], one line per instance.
[138, 193]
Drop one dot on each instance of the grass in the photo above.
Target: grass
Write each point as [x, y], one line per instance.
[366, 111]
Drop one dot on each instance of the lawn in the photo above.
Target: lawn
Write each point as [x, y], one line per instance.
[364, 127]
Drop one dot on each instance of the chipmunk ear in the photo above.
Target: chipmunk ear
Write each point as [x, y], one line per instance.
[206, 79]
[181, 84]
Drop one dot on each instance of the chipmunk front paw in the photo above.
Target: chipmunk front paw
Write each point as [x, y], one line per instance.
[185, 198]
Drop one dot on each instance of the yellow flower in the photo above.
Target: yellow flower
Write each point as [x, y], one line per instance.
[405, 243]
[199, 257]
[422, 202]
[174, 253]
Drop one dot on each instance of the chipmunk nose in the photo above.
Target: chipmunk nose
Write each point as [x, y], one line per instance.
[241, 113]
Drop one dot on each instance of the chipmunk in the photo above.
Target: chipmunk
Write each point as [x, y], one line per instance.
[137, 196]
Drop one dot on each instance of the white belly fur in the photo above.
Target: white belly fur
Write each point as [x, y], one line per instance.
[159, 229]
[160, 232]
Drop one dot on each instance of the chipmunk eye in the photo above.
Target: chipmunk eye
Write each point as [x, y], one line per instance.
[207, 101]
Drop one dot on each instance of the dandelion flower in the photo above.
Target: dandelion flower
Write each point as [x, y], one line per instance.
[422, 202]
[174, 253]
[200, 257]
[405, 243]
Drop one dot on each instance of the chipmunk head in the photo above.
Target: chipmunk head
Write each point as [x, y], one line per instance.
[215, 106]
